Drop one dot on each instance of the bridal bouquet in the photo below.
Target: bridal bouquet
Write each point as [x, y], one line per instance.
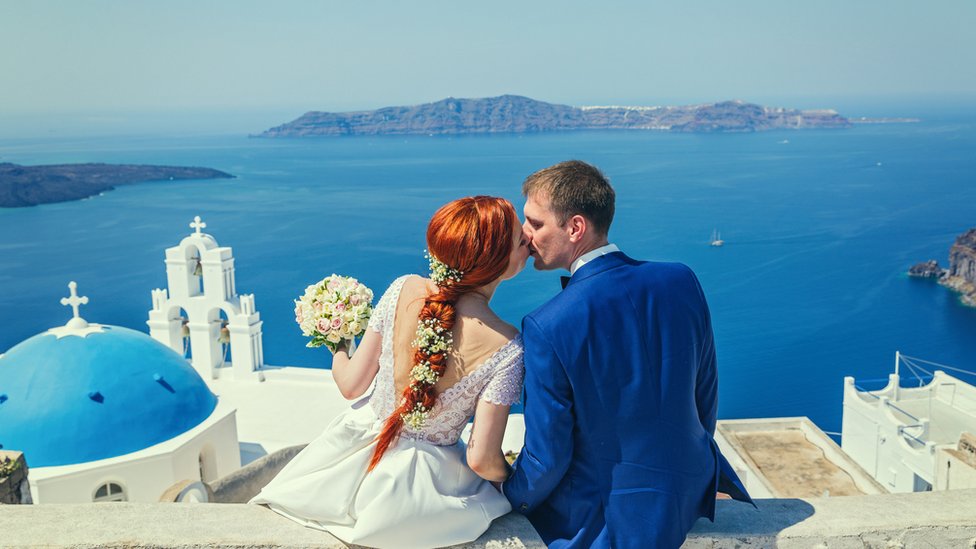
[333, 309]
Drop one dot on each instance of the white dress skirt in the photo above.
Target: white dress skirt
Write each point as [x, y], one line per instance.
[422, 492]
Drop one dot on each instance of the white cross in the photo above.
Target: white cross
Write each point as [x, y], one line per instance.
[197, 224]
[74, 300]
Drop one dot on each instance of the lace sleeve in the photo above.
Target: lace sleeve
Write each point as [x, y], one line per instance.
[505, 385]
[381, 312]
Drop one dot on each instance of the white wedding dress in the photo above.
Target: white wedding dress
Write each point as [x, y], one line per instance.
[422, 493]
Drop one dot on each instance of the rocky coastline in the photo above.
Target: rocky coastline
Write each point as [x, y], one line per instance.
[22, 186]
[517, 114]
[961, 274]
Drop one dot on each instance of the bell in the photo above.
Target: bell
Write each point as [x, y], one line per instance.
[198, 270]
[186, 328]
[224, 336]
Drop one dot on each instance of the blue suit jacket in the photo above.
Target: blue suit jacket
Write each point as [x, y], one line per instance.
[620, 406]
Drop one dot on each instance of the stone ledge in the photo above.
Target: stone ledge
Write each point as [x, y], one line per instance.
[195, 526]
[926, 519]
[933, 519]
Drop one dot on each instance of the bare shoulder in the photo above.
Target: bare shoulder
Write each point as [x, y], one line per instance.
[507, 330]
[483, 323]
[415, 286]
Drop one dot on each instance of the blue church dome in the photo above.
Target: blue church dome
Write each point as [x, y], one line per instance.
[72, 399]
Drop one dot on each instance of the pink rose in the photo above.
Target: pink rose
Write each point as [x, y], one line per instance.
[323, 325]
[354, 300]
[336, 322]
[340, 307]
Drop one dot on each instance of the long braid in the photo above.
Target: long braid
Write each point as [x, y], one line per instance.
[439, 306]
[470, 236]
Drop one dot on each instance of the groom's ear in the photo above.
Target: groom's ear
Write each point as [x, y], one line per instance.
[576, 227]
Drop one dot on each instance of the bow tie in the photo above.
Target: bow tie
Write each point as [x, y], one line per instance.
[564, 280]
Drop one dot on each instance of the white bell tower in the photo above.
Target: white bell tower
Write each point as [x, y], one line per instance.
[200, 277]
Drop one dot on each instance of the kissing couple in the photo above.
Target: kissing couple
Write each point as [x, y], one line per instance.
[620, 390]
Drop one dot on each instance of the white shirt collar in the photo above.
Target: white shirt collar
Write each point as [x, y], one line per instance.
[591, 255]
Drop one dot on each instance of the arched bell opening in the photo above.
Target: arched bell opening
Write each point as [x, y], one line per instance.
[219, 319]
[184, 325]
[194, 270]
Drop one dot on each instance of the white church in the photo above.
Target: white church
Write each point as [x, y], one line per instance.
[107, 413]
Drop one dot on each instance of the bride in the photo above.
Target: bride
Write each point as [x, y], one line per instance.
[390, 471]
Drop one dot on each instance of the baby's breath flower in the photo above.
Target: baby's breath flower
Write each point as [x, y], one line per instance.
[423, 373]
[416, 418]
[441, 273]
[431, 338]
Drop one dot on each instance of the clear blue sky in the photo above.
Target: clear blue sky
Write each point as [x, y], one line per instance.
[175, 55]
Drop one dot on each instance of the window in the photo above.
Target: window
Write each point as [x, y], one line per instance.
[110, 491]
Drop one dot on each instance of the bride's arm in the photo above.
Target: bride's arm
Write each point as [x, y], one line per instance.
[354, 375]
[485, 455]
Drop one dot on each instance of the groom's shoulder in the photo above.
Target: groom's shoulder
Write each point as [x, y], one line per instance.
[643, 278]
[665, 269]
[637, 270]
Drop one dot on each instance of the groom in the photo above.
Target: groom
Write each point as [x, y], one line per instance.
[620, 383]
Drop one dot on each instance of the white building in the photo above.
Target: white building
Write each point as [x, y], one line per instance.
[201, 316]
[202, 312]
[910, 439]
[105, 413]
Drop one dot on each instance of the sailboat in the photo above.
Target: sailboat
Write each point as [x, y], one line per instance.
[717, 239]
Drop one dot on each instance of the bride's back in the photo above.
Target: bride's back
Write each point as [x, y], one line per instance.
[477, 333]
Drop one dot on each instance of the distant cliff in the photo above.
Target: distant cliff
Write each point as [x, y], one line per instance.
[516, 114]
[961, 274]
[33, 185]
[962, 267]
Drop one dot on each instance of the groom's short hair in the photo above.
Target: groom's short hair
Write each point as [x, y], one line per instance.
[575, 187]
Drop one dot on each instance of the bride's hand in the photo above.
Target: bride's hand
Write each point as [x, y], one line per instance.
[346, 345]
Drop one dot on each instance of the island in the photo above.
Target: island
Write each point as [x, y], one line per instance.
[32, 185]
[961, 274]
[517, 114]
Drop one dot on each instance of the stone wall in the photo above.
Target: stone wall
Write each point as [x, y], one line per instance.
[245, 483]
[14, 488]
[927, 519]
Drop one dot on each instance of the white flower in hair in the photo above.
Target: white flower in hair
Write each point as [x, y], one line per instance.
[442, 273]
[431, 338]
[416, 418]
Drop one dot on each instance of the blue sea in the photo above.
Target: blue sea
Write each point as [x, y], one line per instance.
[820, 227]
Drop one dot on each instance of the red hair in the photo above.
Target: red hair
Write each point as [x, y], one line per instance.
[474, 236]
